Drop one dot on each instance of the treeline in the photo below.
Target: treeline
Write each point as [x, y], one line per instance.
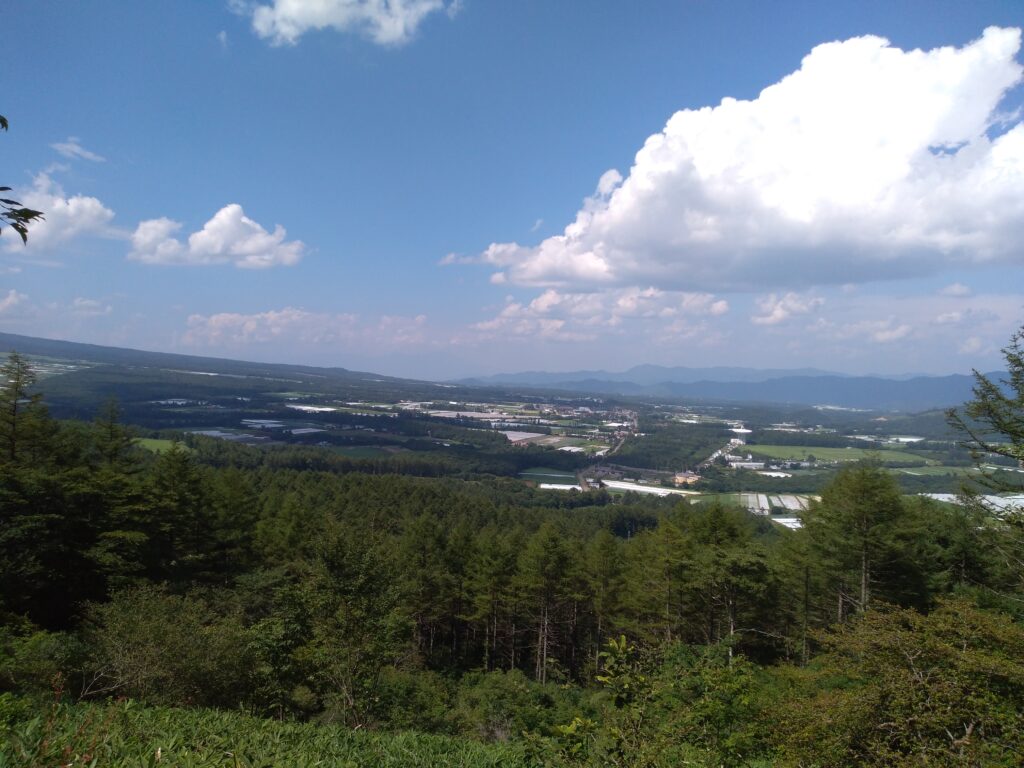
[454, 461]
[585, 630]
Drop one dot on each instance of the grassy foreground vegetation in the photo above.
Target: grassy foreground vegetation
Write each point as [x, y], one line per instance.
[126, 735]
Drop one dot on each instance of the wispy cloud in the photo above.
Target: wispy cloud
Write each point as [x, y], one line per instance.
[12, 301]
[293, 325]
[82, 307]
[564, 316]
[955, 289]
[73, 149]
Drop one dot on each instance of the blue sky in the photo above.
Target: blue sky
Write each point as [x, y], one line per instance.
[435, 188]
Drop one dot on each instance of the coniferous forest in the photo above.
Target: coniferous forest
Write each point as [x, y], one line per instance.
[213, 605]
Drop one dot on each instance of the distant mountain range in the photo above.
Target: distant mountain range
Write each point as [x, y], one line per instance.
[95, 353]
[647, 375]
[806, 386]
[803, 386]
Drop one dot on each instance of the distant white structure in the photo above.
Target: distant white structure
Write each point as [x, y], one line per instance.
[520, 437]
[622, 485]
[994, 503]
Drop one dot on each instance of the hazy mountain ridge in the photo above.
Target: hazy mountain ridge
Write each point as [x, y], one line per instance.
[733, 384]
[96, 353]
[648, 375]
[800, 386]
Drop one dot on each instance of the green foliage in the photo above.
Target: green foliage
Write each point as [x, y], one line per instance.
[503, 706]
[992, 426]
[684, 706]
[23, 420]
[414, 701]
[166, 649]
[671, 446]
[993, 422]
[358, 628]
[862, 531]
[900, 688]
[126, 735]
[36, 660]
[545, 581]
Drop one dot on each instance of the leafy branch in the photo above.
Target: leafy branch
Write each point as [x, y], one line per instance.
[12, 212]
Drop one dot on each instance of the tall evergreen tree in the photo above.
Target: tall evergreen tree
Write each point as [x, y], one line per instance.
[22, 415]
[490, 574]
[992, 425]
[857, 530]
[544, 580]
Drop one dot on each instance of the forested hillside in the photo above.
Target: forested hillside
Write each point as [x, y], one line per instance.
[514, 626]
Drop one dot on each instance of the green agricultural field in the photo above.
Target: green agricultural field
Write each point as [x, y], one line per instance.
[801, 452]
[156, 445]
[729, 499]
[547, 475]
[936, 470]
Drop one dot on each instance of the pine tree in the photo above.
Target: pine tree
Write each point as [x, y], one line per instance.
[22, 414]
[544, 580]
[857, 529]
[992, 425]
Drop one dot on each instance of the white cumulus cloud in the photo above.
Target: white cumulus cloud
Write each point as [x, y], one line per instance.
[775, 309]
[868, 162]
[64, 217]
[230, 237]
[386, 22]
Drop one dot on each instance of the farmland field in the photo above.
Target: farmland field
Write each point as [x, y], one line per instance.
[729, 499]
[154, 444]
[547, 475]
[801, 452]
[937, 470]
